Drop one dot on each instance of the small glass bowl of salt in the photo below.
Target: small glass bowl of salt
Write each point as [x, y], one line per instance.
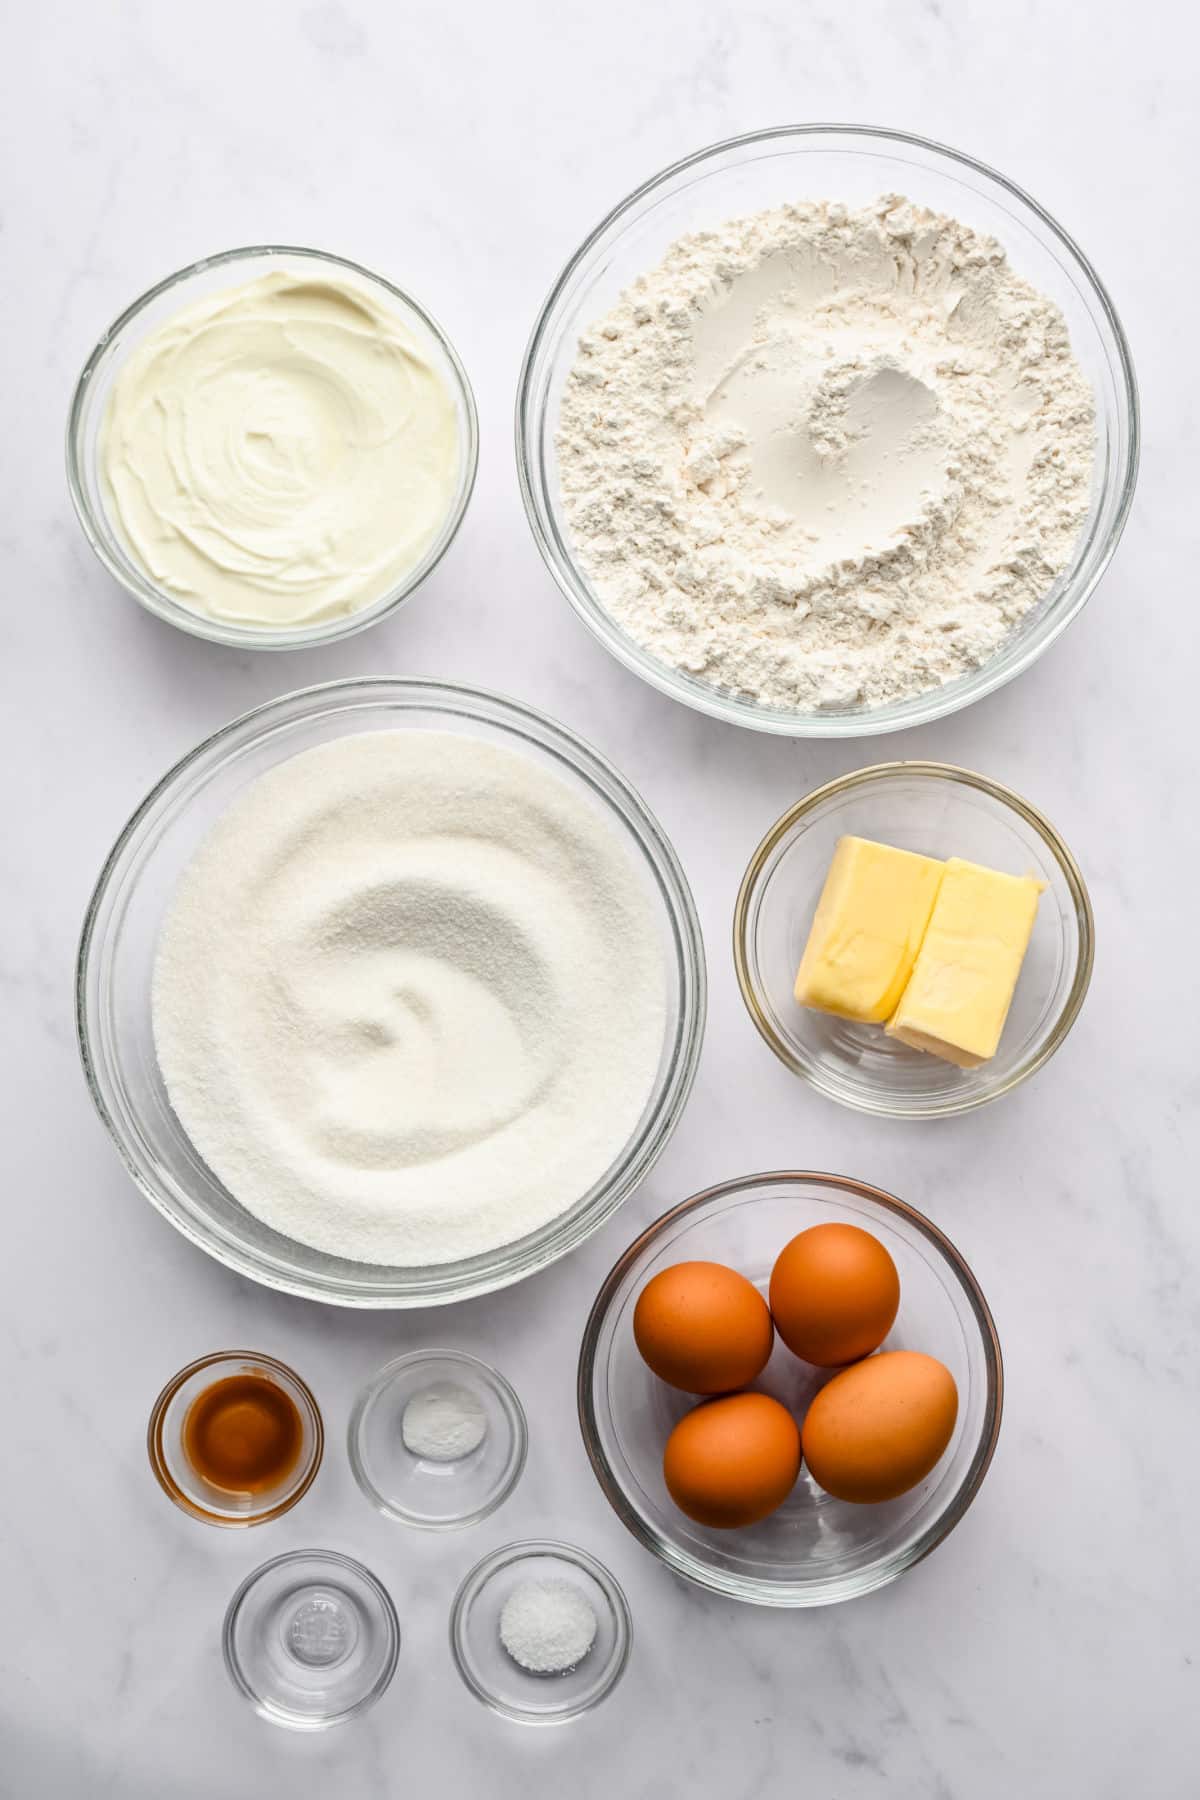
[437, 1439]
[540, 1632]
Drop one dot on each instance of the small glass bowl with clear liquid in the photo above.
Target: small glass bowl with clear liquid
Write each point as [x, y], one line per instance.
[311, 1639]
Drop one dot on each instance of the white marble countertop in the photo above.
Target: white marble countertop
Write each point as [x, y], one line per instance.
[1049, 1648]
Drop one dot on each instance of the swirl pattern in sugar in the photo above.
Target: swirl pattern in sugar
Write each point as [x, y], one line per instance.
[409, 998]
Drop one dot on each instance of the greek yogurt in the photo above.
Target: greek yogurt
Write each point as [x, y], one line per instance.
[280, 453]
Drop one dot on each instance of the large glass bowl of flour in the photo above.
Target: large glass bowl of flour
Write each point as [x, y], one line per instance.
[851, 167]
[129, 921]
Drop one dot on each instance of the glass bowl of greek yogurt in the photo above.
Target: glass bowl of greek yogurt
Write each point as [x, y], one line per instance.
[272, 448]
[390, 993]
[827, 431]
[814, 1550]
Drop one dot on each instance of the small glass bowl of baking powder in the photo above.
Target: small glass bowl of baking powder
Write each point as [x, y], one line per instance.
[552, 1576]
[936, 810]
[855, 164]
[437, 1439]
[200, 281]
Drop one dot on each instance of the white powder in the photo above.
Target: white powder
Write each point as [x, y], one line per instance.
[547, 1626]
[826, 458]
[443, 1423]
[410, 997]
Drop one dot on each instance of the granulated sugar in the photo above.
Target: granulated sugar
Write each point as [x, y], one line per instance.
[410, 997]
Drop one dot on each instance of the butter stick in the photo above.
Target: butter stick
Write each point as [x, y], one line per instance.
[868, 927]
[962, 983]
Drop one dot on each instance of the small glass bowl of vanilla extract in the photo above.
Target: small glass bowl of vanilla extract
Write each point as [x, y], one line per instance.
[235, 1438]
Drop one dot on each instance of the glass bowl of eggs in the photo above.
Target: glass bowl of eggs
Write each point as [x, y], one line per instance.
[790, 1388]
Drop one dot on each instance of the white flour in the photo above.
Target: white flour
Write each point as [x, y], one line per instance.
[826, 458]
[409, 998]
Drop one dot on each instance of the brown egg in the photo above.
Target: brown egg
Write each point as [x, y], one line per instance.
[703, 1328]
[877, 1429]
[834, 1294]
[732, 1460]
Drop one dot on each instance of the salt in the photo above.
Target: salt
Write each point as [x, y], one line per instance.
[547, 1626]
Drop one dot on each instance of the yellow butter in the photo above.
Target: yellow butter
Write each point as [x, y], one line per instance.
[871, 917]
[964, 977]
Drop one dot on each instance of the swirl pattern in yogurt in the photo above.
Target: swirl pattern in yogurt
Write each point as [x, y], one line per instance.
[280, 453]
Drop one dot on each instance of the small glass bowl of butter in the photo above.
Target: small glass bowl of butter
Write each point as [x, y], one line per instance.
[933, 810]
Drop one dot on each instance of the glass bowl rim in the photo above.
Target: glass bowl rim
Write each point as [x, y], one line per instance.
[938, 702]
[509, 1400]
[1013, 802]
[755, 1590]
[157, 1455]
[336, 1559]
[256, 637]
[519, 1550]
[490, 707]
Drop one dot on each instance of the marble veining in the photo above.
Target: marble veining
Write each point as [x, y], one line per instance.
[1048, 1650]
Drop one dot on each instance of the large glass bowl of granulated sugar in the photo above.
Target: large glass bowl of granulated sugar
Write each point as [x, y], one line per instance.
[841, 627]
[353, 987]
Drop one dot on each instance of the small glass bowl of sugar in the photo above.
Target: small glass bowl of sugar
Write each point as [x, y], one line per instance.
[540, 1632]
[437, 1439]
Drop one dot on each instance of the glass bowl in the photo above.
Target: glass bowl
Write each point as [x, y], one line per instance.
[852, 163]
[186, 1486]
[116, 956]
[311, 1639]
[495, 1677]
[940, 811]
[145, 316]
[815, 1550]
[437, 1494]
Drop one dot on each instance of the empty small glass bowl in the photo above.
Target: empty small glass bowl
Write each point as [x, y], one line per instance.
[186, 1486]
[311, 1639]
[495, 1677]
[939, 811]
[210, 276]
[854, 163]
[815, 1549]
[439, 1493]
